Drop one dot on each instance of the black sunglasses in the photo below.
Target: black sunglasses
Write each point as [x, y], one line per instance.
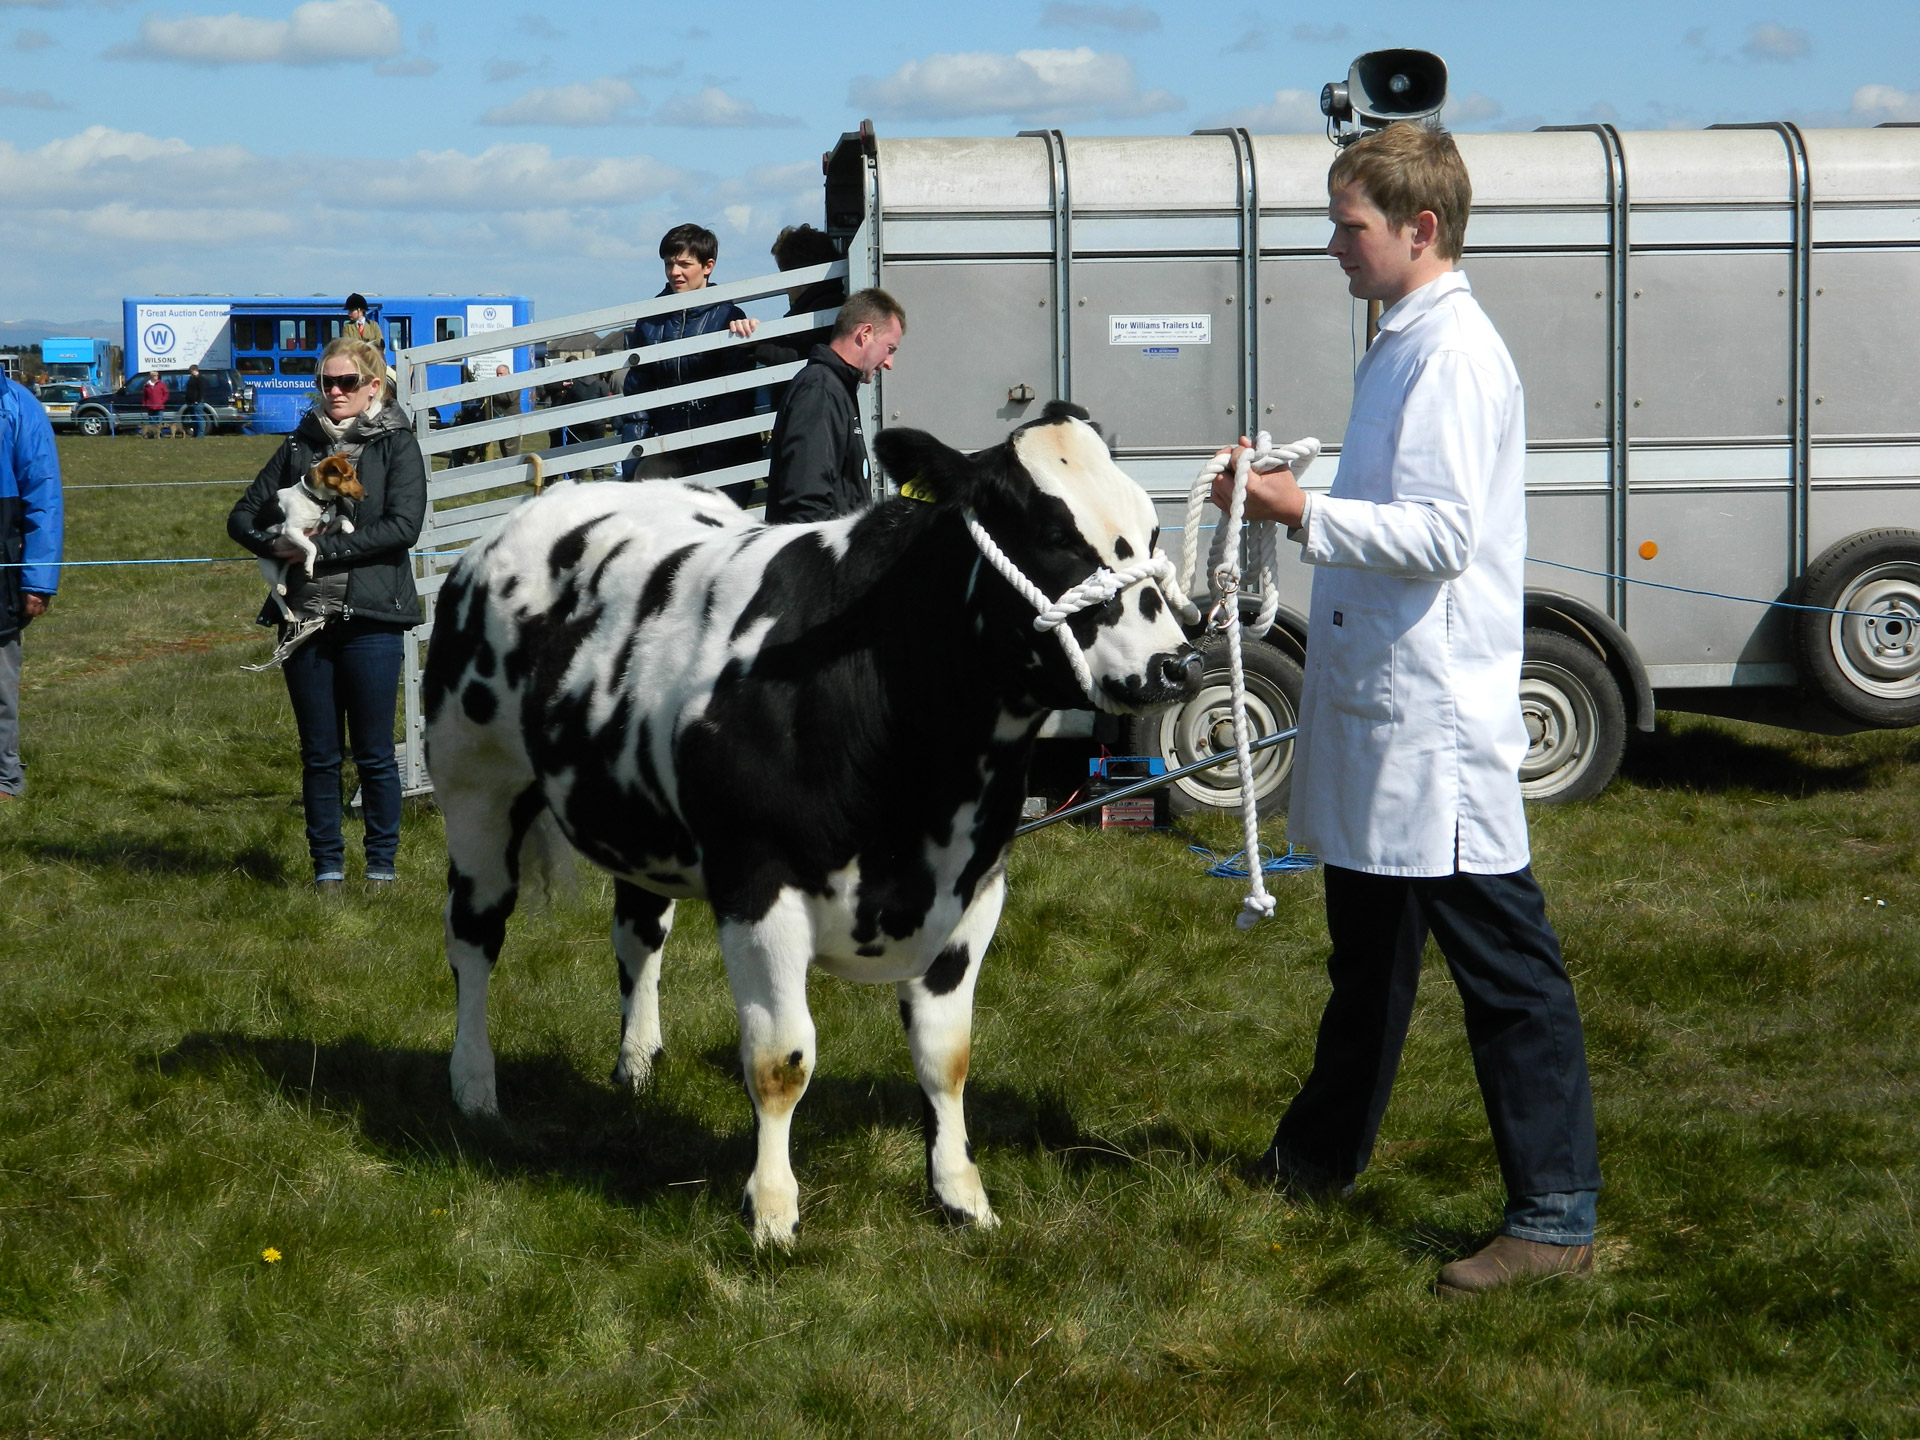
[348, 383]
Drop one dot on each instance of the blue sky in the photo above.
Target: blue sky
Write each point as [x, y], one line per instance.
[386, 145]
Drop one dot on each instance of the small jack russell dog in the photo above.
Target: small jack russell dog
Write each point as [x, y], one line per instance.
[315, 505]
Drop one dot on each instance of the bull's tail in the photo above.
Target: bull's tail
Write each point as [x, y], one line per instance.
[546, 862]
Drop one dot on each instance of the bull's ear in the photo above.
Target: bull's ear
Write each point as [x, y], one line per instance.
[924, 468]
[1058, 410]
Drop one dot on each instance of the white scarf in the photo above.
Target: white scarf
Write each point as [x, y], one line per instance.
[348, 439]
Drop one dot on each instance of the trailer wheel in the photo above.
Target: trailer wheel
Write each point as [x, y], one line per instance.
[1865, 665]
[91, 423]
[1576, 720]
[1203, 726]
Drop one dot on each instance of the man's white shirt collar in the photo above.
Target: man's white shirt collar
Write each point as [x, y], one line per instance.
[1410, 308]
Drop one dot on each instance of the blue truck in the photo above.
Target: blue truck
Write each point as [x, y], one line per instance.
[273, 342]
[80, 359]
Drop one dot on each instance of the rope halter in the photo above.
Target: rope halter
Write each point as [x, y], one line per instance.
[1262, 543]
[1096, 590]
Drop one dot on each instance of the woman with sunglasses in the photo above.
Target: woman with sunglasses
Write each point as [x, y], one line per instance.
[341, 654]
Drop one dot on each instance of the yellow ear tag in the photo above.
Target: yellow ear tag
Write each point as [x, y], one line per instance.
[914, 490]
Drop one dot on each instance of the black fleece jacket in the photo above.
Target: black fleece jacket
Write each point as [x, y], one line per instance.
[819, 466]
[373, 560]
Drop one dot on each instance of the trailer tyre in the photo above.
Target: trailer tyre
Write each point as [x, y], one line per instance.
[91, 423]
[1576, 720]
[1202, 726]
[1867, 665]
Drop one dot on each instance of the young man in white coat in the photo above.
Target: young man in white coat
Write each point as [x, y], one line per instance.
[1406, 780]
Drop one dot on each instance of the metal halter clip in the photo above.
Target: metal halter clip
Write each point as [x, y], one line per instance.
[1218, 616]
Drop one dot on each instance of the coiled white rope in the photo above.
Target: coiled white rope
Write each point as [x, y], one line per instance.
[1096, 590]
[1262, 544]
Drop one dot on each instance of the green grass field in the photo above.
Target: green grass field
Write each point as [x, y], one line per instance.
[199, 1062]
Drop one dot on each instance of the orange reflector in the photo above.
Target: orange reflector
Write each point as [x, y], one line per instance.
[1648, 549]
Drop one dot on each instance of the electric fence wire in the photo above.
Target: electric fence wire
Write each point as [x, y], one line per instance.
[1233, 867]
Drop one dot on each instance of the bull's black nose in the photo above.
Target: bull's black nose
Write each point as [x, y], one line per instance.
[1182, 671]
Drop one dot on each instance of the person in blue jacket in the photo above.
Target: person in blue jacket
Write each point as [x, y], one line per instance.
[688, 253]
[31, 524]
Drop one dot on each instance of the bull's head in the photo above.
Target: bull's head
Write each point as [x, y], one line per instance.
[1055, 503]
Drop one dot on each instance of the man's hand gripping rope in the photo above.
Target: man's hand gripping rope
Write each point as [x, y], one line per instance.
[1223, 569]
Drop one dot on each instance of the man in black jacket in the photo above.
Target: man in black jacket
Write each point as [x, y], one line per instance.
[819, 454]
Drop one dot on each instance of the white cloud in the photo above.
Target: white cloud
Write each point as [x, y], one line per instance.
[512, 176]
[1470, 108]
[1290, 112]
[1768, 41]
[32, 40]
[1250, 42]
[29, 100]
[408, 65]
[1127, 19]
[1875, 103]
[497, 70]
[589, 102]
[714, 109]
[319, 32]
[1056, 85]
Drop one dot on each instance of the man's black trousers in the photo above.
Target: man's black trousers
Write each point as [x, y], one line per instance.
[1528, 1051]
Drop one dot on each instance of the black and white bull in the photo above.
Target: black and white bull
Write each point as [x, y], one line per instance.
[822, 730]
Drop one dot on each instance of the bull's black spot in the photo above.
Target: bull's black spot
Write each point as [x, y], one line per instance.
[459, 633]
[626, 980]
[1121, 548]
[570, 547]
[600, 570]
[642, 912]
[949, 968]
[794, 1058]
[1150, 603]
[870, 951]
[709, 520]
[485, 662]
[658, 590]
[906, 1016]
[479, 702]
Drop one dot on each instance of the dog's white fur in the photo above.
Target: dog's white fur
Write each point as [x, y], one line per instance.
[305, 512]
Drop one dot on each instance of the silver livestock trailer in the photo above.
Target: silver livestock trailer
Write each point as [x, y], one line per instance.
[1718, 331]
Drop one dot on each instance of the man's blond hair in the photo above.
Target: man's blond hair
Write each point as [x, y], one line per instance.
[1406, 168]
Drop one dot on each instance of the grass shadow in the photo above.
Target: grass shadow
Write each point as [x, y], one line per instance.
[561, 1124]
[163, 857]
[1703, 758]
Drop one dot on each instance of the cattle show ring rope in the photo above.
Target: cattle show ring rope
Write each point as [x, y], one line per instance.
[1260, 539]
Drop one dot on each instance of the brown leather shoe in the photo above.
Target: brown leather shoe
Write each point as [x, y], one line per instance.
[1507, 1259]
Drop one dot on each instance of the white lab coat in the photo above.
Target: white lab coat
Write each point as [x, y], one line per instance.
[1411, 736]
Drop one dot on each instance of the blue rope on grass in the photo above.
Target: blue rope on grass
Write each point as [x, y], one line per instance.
[1234, 868]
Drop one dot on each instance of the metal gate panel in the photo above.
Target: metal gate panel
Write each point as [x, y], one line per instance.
[1552, 312]
[1159, 395]
[975, 332]
[1569, 528]
[1721, 537]
[1311, 337]
[1864, 336]
[1709, 349]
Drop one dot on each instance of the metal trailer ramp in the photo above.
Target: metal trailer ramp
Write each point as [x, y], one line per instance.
[466, 502]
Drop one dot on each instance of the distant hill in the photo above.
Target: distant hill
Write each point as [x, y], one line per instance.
[32, 332]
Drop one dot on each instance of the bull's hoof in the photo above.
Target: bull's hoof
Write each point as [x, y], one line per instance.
[475, 1096]
[633, 1072]
[770, 1227]
[979, 1217]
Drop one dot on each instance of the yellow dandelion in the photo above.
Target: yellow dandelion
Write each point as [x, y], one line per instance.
[270, 1255]
[438, 1213]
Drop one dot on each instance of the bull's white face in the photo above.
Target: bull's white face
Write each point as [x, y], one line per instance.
[1135, 648]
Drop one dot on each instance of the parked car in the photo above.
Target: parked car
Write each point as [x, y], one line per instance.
[229, 399]
[59, 397]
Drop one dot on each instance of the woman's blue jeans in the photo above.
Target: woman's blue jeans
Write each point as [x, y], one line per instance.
[349, 672]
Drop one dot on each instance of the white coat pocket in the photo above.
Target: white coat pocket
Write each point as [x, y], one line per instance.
[1361, 666]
